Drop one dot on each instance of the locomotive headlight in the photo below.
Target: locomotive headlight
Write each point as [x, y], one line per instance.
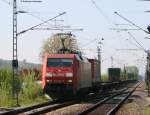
[69, 74]
[49, 74]
[70, 81]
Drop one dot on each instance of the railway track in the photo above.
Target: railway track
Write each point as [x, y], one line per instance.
[2, 109]
[83, 104]
[111, 104]
[55, 105]
[46, 107]
[39, 109]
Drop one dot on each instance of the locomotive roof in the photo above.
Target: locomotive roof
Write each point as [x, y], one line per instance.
[61, 55]
[84, 59]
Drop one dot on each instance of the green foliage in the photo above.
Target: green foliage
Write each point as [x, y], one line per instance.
[124, 76]
[23, 64]
[147, 111]
[30, 88]
[56, 42]
[29, 92]
[5, 87]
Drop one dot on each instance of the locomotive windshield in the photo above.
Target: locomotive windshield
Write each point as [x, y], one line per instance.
[57, 62]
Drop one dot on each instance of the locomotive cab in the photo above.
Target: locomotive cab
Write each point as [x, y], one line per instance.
[58, 75]
[64, 75]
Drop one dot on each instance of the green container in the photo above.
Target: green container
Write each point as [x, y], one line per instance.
[114, 74]
[133, 72]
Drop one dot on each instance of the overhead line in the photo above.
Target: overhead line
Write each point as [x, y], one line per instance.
[101, 11]
[134, 44]
[92, 41]
[130, 49]
[61, 29]
[136, 41]
[106, 17]
[131, 22]
[7, 2]
[31, 28]
[37, 17]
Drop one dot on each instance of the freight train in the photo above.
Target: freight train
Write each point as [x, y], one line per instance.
[72, 74]
[128, 73]
[69, 74]
[65, 74]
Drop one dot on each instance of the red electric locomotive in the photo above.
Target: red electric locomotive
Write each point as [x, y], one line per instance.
[69, 74]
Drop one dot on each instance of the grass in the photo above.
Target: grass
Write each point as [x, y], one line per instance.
[29, 92]
[147, 110]
[6, 88]
[104, 78]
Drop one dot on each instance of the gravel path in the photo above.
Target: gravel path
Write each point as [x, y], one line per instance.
[136, 103]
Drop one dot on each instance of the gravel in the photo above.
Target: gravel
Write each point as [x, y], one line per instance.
[71, 110]
[136, 103]
[127, 108]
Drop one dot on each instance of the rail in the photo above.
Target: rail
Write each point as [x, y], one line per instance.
[114, 109]
[40, 108]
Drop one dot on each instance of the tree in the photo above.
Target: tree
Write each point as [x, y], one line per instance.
[147, 79]
[56, 42]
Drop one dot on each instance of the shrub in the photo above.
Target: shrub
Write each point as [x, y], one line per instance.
[5, 87]
[104, 78]
[28, 90]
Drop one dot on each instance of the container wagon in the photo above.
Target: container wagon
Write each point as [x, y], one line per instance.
[133, 72]
[114, 74]
[96, 73]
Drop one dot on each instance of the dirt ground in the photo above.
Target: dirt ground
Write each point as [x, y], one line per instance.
[137, 103]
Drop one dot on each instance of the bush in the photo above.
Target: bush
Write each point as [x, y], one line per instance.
[30, 88]
[104, 78]
[6, 87]
[29, 92]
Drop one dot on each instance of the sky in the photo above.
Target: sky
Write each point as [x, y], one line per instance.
[96, 20]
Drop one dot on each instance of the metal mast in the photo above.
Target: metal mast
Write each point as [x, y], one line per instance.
[99, 53]
[15, 56]
[112, 60]
[99, 59]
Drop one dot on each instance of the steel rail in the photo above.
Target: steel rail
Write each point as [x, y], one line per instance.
[92, 108]
[25, 109]
[100, 103]
[116, 108]
[50, 108]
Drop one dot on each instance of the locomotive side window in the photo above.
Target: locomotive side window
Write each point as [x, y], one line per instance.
[54, 62]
